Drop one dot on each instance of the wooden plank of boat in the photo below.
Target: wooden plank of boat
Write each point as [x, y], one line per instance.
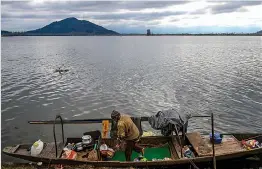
[203, 146]
[49, 150]
[177, 147]
[198, 143]
[15, 148]
[229, 145]
[12, 149]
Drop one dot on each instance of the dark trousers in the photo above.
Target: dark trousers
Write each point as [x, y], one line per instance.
[130, 146]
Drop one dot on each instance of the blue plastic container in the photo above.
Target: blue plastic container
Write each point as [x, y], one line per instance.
[217, 138]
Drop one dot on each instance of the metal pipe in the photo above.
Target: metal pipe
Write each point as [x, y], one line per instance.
[213, 141]
[89, 121]
[179, 141]
[61, 120]
[201, 116]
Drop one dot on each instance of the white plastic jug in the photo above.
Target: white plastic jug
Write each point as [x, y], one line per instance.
[37, 147]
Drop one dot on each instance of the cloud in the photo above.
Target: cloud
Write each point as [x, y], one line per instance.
[107, 16]
[137, 16]
[138, 5]
[199, 11]
[33, 15]
[133, 15]
[99, 10]
[233, 6]
[91, 6]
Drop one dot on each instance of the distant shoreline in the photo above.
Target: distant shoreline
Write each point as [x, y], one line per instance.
[10, 35]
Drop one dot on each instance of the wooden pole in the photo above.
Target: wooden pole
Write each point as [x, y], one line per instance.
[213, 141]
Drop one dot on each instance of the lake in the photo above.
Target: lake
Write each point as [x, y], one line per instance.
[136, 75]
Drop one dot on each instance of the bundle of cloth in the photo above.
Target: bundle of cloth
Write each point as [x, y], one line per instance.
[251, 144]
[168, 120]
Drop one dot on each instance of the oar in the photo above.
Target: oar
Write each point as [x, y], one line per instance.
[85, 121]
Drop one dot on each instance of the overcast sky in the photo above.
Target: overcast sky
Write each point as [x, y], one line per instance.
[137, 16]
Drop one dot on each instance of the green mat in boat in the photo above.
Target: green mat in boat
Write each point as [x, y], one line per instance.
[150, 153]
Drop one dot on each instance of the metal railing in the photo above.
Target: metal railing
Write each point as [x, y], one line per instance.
[143, 119]
[212, 140]
[58, 116]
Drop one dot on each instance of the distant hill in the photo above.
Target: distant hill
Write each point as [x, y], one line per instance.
[259, 32]
[2, 31]
[71, 26]
[5, 32]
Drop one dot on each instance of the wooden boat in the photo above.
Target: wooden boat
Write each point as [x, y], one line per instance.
[204, 152]
[230, 149]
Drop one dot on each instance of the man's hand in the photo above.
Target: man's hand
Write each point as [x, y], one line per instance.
[117, 147]
[119, 140]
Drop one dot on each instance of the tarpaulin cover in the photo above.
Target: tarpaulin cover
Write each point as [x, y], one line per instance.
[163, 119]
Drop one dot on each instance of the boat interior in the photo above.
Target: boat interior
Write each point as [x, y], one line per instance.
[181, 146]
[156, 147]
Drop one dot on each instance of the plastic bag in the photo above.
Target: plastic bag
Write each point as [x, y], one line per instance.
[69, 154]
[93, 156]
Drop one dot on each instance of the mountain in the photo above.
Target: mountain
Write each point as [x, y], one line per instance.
[2, 31]
[259, 32]
[5, 32]
[71, 26]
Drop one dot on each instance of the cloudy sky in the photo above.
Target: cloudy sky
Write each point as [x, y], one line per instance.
[137, 16]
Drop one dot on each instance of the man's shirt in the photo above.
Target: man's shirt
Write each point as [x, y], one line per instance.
[126, 128]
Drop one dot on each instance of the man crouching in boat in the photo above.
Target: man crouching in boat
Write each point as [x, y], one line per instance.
[128, 132]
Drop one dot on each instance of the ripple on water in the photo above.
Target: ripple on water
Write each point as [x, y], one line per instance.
[10, 119]
[185, 74]
[47, 104]
[85, 112]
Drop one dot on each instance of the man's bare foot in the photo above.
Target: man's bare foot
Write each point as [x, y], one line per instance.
[143, 151]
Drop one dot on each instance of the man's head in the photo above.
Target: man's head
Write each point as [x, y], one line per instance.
[115, 115]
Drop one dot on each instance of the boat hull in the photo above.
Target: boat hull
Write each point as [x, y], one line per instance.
[199, 161]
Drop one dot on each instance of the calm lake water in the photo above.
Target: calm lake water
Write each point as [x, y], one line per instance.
[135, 75]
